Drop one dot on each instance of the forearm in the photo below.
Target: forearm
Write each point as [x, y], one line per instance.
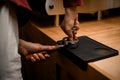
[70, 7]
[71, 12]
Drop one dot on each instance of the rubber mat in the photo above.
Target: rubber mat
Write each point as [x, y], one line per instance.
[87, 50]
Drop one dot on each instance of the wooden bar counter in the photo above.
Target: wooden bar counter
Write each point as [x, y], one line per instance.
[107, 32]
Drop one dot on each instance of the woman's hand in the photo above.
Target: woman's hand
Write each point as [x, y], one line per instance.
[34, 51]
[70, 20]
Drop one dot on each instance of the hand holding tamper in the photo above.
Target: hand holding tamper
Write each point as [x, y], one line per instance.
[70, 43]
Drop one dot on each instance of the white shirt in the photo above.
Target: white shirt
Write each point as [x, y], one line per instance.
[10, 63]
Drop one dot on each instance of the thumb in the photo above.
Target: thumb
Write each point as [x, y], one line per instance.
[48, 47]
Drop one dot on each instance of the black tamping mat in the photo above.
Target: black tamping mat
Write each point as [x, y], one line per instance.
[87, 50]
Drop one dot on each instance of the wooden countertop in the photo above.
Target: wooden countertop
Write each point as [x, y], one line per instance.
[105, 31]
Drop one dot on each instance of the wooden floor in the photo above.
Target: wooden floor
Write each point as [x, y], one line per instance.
[106, 31]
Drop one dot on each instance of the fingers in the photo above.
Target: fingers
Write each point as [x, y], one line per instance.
[70, 34]
[37, 57]
[77, 24]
